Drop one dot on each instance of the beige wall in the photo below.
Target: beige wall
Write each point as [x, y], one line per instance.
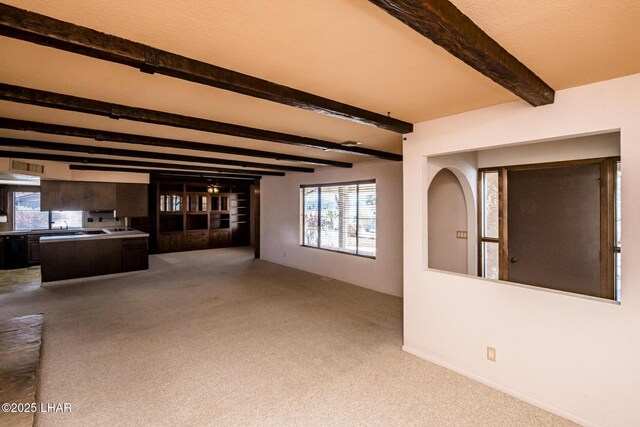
[280, 219]
[577, 357]
[447, 214]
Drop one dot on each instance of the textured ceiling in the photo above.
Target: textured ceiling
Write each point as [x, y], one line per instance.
[346, 50]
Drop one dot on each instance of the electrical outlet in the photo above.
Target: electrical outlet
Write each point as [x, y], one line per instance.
[461, 234]
[491, 354]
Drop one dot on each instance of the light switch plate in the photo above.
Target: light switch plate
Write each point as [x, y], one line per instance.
[461, 234]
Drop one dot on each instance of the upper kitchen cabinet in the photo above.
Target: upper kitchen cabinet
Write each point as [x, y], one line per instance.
[128, 200]
[77, 196]
[132, 200]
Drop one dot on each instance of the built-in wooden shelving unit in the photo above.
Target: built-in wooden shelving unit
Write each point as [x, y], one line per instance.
[200, 216]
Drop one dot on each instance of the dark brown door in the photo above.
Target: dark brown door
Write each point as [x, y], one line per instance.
[553, 223]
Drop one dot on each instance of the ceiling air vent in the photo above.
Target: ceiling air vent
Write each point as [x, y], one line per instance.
[17, 165]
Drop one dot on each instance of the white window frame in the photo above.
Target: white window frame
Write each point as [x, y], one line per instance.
[319, 187]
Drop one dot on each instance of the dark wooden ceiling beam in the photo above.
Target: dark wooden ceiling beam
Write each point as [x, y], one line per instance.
[127, 138]
[90, 149]
[134, 163]
[160, 172]
[445, 25]
[118, 111]
[41, 29]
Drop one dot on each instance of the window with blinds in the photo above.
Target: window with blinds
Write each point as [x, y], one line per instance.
[339, 217]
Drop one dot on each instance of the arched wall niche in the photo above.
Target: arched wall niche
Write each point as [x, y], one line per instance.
[449, 187]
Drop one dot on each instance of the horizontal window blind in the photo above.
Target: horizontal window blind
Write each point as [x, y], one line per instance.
[340, 217]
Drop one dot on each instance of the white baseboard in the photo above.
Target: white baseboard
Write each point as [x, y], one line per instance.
[549, 408]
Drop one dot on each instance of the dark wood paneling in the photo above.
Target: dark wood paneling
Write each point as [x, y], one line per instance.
[40, 29]
[442, 22]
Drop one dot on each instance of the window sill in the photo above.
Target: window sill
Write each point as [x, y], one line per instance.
[339, 252]
[531, 287]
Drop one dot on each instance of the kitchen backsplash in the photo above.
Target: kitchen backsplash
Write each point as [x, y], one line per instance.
[100, 220]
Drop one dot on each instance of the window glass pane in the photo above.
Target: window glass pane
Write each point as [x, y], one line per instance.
[330, 218]
[490, 263]
[618, 205]
[310, 209]
[348, 218]
[300, 219]
[339, 218]
[26, 212]
[367, 219]
[490, 204]
[66, 219]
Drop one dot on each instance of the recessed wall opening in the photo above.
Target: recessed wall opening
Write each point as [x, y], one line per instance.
[548, 213]
[447, 218]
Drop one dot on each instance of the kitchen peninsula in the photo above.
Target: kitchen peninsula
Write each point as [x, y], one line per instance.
[113, 250]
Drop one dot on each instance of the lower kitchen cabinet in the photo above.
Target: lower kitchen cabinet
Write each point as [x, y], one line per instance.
[197, 239]
[219, 238]
[170, 241]
[70, 259]
[33, 249]
[73, 259]
[15, 251]
[135, 254]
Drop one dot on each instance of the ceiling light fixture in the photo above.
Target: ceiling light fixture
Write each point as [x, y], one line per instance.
[351, 143]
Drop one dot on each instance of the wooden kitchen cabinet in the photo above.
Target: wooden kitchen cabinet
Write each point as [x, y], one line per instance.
[84, 258]
[135, 254]
[33, 249]
[220, 238]
[77, 196]
[70, 259]
[198, 239]
[132, 200]
[129, 200]
[170, 241]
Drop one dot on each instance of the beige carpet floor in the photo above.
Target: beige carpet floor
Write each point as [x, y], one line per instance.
[218, 338]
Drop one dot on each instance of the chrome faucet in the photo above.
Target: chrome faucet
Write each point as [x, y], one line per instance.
[66, 225]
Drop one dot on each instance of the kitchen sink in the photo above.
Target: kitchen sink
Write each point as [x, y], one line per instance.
[119, 230]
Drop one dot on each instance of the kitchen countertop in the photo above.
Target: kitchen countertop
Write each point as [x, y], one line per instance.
[131, 233]
[54, 231]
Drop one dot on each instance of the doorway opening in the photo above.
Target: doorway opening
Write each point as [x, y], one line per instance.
[553, 225]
